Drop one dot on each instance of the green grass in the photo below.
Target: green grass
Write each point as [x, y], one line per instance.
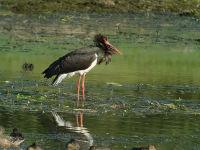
[182, 7]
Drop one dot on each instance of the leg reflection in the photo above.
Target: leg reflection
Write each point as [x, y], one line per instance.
[78, 133]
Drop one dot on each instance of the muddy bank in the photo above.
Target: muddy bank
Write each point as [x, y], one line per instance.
[181, 7]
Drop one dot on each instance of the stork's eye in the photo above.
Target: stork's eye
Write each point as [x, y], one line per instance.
[101, 44]
[109, 47]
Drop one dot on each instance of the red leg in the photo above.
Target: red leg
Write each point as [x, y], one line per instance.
[78, 88]
[77, 123]
[83, 87]
[81, 117]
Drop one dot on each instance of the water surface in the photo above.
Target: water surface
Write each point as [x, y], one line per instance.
[148, 95]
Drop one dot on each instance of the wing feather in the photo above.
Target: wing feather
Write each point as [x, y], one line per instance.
[76, 60]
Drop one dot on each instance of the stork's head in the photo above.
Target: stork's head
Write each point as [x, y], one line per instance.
[102, 42]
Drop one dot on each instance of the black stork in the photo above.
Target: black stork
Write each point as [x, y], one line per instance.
[80, 62]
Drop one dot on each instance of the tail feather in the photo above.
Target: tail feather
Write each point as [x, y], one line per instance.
[58, 79]
[53, 69]
[54, 80]
[48, 73]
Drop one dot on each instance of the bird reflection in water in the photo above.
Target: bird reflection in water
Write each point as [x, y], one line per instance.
[81, 138]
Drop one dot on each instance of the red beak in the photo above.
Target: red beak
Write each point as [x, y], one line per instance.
[112, 47]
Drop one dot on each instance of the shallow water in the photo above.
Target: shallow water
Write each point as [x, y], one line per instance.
[148, 95]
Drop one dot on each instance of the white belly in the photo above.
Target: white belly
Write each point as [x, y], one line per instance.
[88, 69]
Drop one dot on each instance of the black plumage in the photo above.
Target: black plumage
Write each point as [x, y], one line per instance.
[81, 61]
